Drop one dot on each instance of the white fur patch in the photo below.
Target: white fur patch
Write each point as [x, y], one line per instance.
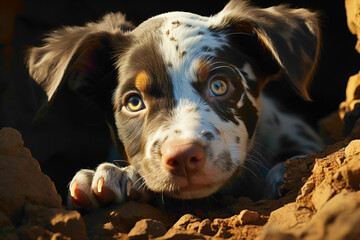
[185, 37]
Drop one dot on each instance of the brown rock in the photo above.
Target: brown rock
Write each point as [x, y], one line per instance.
[10, 141]
[352, 149]
[347, 176]
[121, 219]
[68, 223]
[7, 230]
[289, 217]
[275, 234]
[307, 188]
[108, 229]
[187, 222]
[352, 96]
[223, 232]
[42, 219]
[353, 19]
[338, 219]
[20, 176]
[322, 194]
[247, 216]
[147, 228]
[174, 234]
[34, 232]
[205, 228]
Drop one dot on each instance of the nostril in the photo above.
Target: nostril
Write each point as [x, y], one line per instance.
[173, 163]
[183, 159]
[194, 160]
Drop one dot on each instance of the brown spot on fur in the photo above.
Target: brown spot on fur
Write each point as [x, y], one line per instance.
[182, 54]
[141, 80]
[176, 23]
[203, 70]
[169, 64]
[172, 39]
[167, 32]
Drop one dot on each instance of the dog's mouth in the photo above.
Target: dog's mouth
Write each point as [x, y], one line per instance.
[194, 191]
[184, 189]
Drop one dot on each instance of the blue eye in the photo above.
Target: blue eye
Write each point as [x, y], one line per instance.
[135, 103]
[218, 87]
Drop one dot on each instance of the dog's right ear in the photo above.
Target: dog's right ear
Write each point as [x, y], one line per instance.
[81, 56]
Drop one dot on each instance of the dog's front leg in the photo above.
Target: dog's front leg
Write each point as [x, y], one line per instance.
[107, 184]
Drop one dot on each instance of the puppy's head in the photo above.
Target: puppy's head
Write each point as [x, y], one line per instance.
[185, 88]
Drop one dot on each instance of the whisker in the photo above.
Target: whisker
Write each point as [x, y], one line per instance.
[264, 147]
[257, 153]
[256, 162]
[140, 179]
[118, 162]
[255, 156]
[252, 172]
[162, 195]
[240, 33]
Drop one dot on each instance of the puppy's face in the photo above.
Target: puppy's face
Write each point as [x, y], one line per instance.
[182, 84]
[185, 89]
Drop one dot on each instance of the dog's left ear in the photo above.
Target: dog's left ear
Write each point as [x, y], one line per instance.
[80, 57]
[290, 38]
[83, 59]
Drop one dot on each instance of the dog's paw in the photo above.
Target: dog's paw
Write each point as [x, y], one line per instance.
[274, 180]
[108, 184]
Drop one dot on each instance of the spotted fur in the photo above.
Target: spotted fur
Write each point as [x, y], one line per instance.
[167, 65]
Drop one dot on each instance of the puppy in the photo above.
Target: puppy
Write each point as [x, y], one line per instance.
[183, 95]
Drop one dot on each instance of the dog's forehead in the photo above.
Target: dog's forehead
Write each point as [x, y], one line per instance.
[186, 37]
[180, 40]
[182, 37]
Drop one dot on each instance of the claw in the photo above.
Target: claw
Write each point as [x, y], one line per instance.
[79, 198]
[103, 193]
[128, 188]
[100, 185]
[73, 188]
[131, 192]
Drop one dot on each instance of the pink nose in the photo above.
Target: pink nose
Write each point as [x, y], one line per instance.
[183, 159]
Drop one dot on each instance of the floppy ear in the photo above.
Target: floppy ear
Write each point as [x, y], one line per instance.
[80, 56]
[83, 58]
[291, 37]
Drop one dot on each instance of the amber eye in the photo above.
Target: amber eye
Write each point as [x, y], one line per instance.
[134, 103]
[218, 87]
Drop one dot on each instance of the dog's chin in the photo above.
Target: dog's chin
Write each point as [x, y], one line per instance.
[195, 191]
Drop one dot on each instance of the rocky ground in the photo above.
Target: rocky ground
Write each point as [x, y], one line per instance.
[322, 199]
[323, 202]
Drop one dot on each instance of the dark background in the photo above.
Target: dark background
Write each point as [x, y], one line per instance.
[72, 133]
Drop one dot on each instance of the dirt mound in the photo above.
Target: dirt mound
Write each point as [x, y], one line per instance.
[323, 200]
[30, 207]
